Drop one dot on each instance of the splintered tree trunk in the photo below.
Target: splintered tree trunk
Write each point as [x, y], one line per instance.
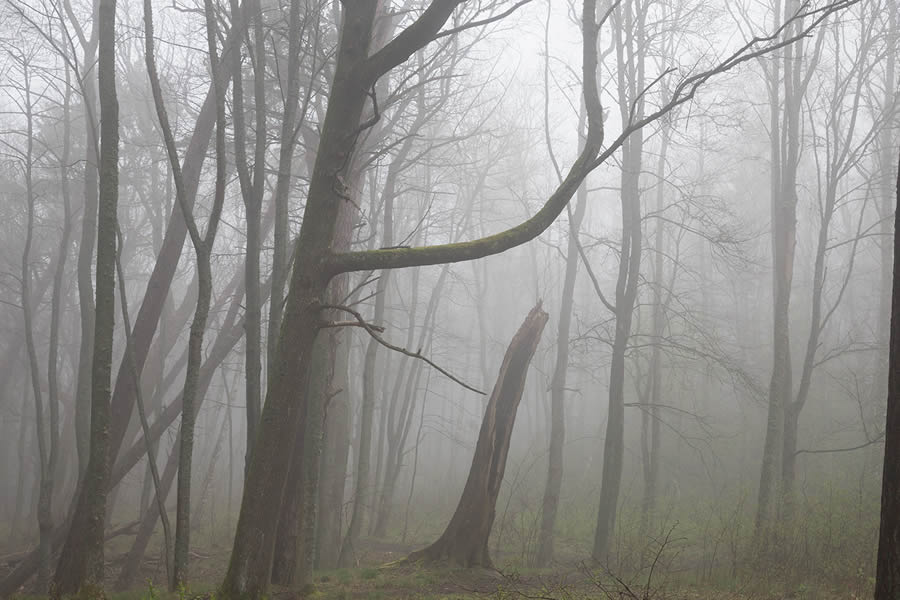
[887, 578]
[465, 541]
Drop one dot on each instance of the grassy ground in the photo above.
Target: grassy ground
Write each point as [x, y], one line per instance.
[383, 577]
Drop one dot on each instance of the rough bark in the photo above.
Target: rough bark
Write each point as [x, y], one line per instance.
[81, 563]
[465, 540]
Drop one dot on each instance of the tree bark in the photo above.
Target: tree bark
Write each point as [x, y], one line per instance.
[465, 540]
[887, 578]
[81, 565]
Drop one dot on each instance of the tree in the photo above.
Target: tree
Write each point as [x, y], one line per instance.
[316, 263]
[465, 540]
[355, 75]
[887, 579]
[203, 245]
[81, 565]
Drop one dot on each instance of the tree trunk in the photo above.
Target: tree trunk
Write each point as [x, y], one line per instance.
[552, 489]
[363, 454]
[334, 461]
[785, 151]
[81, 564]
[132, 564]
[46, 438]
[631, 80]
[83, 272]
[626, 293]
[252, 196]
[465, 540]
[887, 579]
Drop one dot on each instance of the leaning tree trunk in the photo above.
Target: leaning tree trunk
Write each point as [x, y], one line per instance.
[887, 578]
[465, 541]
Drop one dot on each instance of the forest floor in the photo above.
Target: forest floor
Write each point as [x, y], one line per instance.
[382, 575]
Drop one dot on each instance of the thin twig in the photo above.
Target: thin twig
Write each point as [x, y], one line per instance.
[373, 331]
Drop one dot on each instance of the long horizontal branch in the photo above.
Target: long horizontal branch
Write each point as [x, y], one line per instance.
[393, 258]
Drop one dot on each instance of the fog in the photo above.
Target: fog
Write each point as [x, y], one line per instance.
[426, 299]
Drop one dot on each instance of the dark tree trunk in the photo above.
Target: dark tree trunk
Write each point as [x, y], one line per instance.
[465, 541]
[887, 578]
[81, 564]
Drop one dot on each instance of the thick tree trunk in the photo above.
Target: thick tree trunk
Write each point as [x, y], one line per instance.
[465, 541]
[295, 542]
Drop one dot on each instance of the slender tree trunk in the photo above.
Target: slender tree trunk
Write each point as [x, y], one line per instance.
[283, 184]
[887, 578]
[650, 417]
[553, 487]
[132, 563]
[363, 493]
[83, 275]
[147, 318]
[145, 426]
[252, 195]
[363, 455]
[785, 150]
[398, 435]
[81, 565]
[334, 460]
[630, 58]
[626, 293]
[43, 434]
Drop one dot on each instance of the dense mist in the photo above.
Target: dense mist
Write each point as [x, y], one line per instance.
[449, 298]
